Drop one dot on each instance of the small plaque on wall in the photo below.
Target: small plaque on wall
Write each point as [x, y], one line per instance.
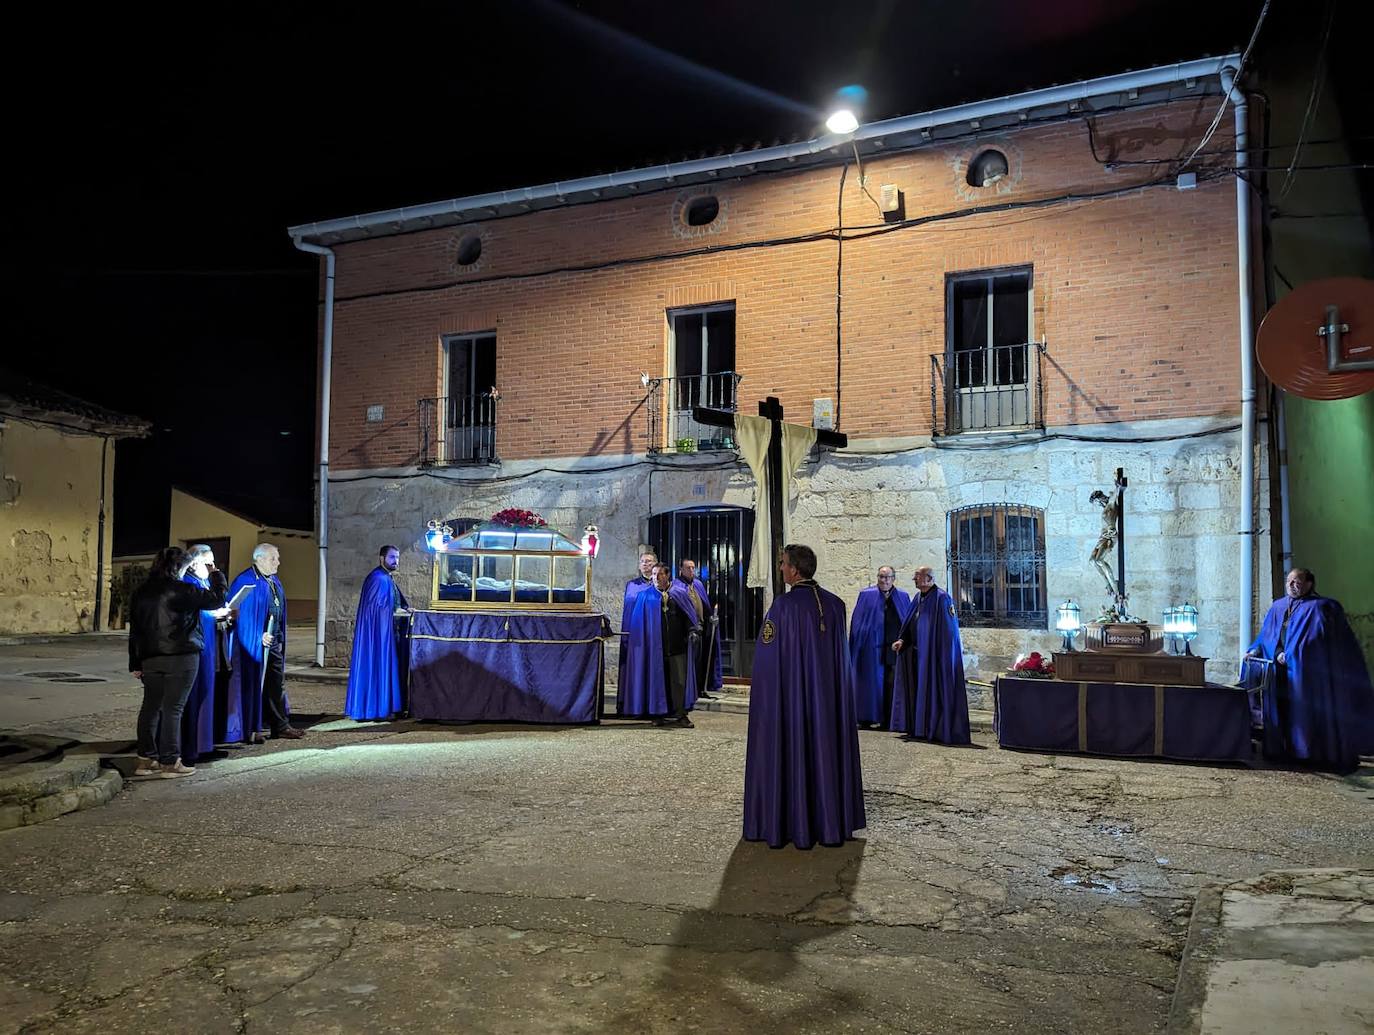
[374, 414]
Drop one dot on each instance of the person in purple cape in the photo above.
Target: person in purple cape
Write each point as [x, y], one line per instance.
[659, 674]
[930, 701]
[374, 670]
[709, 673]
[1320, 709]
[259, 656]
[874, 625]
[802, 778]
[198, 719]
[637, 585]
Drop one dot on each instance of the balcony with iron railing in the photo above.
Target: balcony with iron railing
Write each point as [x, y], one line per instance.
[458, 429]
[672, 429]
[997, 387]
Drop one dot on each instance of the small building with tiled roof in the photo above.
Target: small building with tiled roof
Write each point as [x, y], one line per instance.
[57, 462]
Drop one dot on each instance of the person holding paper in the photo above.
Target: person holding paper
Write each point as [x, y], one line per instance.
[258, 679]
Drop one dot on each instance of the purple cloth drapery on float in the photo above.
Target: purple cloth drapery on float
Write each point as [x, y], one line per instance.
[531, 667]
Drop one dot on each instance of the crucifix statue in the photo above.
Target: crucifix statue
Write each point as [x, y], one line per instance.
[773, 472]
[1112, 535]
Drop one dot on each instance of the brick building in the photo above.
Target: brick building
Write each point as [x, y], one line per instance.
[1018, 304]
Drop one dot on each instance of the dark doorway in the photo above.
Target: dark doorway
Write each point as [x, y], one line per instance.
[719, 540]
[219, 545]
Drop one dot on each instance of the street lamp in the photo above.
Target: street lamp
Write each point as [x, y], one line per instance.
[1069, 622]
[842, 121]
[844, 115]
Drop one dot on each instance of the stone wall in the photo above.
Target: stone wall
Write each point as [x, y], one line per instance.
[49, 515]
[879, 502]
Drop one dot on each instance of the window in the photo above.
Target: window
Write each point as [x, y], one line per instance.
[701, 210]
[469, 407]
[469, 250]
[702, 348]
[985, 170]
[997, 565]
[988, 332]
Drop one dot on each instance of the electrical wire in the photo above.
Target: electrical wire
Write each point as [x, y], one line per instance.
[1313, 100]
[438, 474]
[1226, 95]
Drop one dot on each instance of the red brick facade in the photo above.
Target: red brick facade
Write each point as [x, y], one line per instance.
[1134, 294]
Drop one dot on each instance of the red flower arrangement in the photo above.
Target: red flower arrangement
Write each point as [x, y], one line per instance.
[1034, 665]
[514, 517]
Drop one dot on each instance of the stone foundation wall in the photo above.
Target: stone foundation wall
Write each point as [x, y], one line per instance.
[880, 502]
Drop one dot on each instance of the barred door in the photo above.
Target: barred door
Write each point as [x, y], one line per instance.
[718, 539]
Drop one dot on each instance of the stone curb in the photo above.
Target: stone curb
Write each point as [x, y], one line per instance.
[1199, 951]
[97, 790]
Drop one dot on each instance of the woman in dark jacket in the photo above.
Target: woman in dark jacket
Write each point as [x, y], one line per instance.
[165, 642]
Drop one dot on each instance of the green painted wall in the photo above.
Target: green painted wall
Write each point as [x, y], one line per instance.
[1331, 502]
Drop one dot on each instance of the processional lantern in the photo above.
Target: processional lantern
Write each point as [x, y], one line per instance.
[1069, 622]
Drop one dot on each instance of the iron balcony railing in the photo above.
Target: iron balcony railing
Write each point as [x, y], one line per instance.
[458, 429]
[672, 429]
[997, 386]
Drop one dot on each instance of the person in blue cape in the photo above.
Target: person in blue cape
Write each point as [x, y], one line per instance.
[259, 655]
[644, 580]
[374, 671]
[1320, 707]
[661, 670]
[930, 701]
[874, 626]
[198, 718]
[709, 672]
[802, 778]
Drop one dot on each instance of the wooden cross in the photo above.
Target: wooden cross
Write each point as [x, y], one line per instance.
[772, 409]
[1121, 537]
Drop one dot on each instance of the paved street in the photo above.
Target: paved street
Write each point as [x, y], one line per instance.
[495, 879]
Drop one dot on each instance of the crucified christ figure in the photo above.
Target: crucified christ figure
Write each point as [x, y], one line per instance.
[1106, 542]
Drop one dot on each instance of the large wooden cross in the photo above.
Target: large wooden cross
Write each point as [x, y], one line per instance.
[772, 409]
[1121, 538]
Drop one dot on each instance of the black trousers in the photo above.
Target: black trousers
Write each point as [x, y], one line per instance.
[274, 693]
[167, 682]
[677, 686]
[889, 681]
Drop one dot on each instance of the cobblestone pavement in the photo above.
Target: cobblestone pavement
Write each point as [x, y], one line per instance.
[499, 879]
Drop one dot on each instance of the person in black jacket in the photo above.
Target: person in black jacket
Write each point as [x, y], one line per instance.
[679, 636]
[165, 642]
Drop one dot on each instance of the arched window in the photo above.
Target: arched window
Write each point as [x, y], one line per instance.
[997, 565]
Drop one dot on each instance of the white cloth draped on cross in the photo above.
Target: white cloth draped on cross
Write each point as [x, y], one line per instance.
[752, 434]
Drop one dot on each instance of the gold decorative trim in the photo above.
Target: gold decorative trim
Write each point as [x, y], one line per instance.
[1159, 719]
[1083, 717]
[493, 639]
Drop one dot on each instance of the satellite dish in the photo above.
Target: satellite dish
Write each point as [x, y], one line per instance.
[1318, 342]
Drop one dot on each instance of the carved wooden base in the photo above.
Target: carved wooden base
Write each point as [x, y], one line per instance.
[1157, 669]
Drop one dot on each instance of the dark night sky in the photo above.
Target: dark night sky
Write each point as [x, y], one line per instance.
[157, 157]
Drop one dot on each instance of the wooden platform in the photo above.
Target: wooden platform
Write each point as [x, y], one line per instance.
[1154, 669]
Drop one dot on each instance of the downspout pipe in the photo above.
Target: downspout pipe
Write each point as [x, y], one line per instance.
[325, 365]
[1246, 609]
[100, 538]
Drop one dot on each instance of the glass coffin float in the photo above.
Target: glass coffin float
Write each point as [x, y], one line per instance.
[495, 568]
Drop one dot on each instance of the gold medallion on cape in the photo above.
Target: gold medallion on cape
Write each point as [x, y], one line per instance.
[768, 630]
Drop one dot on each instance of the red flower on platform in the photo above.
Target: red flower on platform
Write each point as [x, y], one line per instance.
[1034, 664]
[514, 517]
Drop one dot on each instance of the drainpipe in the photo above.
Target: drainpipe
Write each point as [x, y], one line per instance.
[1286, 551]
[325, 365]
[1246, 615]
[100, 537]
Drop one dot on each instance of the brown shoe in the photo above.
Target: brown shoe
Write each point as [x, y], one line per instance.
[290, 733]
[171, 772]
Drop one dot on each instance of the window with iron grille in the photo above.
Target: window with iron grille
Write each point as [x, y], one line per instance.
[997, 565]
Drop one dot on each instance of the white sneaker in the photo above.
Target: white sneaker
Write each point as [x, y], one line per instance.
[170, 772]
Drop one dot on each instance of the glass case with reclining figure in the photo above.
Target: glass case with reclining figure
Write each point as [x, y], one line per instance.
[491, 568]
